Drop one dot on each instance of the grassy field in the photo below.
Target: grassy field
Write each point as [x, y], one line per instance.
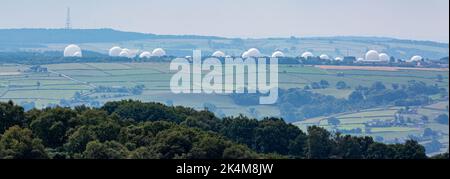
[17, 84]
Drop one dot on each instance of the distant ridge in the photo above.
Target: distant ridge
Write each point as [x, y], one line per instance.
[32, 36]
[36, 36]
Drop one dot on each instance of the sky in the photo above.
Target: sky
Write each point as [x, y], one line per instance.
[404, 19]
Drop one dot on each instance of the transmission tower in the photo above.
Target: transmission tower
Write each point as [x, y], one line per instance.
[68, 20]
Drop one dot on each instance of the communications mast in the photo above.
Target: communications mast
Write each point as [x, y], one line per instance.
[68, 20]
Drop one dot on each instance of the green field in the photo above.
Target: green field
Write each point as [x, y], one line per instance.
[19, 85]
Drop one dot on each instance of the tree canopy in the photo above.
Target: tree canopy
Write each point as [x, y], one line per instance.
[136, 130]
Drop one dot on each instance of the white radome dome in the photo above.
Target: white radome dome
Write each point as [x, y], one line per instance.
[218, 54]
[307, 55]
[72, 51]
[324, 57]
[145, 54]
[253, 52]
[372, 55]
[124, 54]
[277, 54]
[159, 52]
[245, 55]
[416, 58]
[360, 59]
[338, 59]
[384, 57]
[115, 51]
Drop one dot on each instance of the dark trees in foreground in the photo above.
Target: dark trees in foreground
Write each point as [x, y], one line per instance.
[136, 130]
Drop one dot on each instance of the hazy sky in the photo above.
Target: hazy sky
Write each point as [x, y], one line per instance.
[410, 19]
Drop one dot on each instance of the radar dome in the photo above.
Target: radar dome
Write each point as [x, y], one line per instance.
[324, 57]
[145, 54]
[245, 55]
[338, 59]
[372, 55]
[384, 57]
[277, 54]
[159, 52]
[307, 55]
[125, 53]
[115, 51]
[72, 51]
[253, 52]
[416, 58]
[218, 54]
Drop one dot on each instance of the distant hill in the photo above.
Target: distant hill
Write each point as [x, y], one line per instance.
[33, 36]
[67, 36]
[111, 35]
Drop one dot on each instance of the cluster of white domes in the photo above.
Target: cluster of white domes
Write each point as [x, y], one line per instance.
[72, 51]
[124, 52]
[218, 54]
[307, 55]
[253, 52]
[277, 54]
[374, 56]
[324, 57]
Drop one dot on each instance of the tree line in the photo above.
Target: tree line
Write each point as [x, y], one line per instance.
[136, 130]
